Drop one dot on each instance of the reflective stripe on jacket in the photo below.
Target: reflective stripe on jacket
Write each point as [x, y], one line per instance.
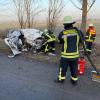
[90, 35]
[70, 41]
[49, 38]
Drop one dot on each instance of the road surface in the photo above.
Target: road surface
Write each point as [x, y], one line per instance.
[24, 79]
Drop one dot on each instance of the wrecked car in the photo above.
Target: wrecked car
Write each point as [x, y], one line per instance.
[24, 40]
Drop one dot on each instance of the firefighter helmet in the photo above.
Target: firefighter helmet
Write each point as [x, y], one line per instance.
[45, 30]
[68, 20]
[90, 25]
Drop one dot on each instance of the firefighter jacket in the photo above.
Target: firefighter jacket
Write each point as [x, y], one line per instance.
[70, 39]
[90, 35]
[49, 36]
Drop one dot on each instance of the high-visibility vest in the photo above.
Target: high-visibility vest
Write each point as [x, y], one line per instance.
[90, 35]
[50, 38]
[70, 44]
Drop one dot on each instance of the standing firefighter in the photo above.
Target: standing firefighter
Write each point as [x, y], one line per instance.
[90, 38]
[50, 39]
[69, 38]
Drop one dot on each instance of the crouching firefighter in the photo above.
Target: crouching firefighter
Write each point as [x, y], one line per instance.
[90, 38]
[69, 38]
[50, 40]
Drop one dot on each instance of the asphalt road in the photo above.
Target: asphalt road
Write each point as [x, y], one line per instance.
[23, 79]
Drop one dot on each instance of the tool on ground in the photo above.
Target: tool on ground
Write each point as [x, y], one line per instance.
[95, 75]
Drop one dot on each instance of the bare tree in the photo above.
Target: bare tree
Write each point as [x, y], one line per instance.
[32, 9]
[26, 11]
[84, 15]
[20, 11]
[54, 13]
[86, 5]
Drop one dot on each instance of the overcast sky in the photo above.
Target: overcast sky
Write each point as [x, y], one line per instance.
[7, 10]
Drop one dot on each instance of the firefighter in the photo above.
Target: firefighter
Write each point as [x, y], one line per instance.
[69, 38]
[90, 38]
[50, 39]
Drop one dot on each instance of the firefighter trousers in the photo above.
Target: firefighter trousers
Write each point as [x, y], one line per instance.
[64, 64]
[88, 47]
